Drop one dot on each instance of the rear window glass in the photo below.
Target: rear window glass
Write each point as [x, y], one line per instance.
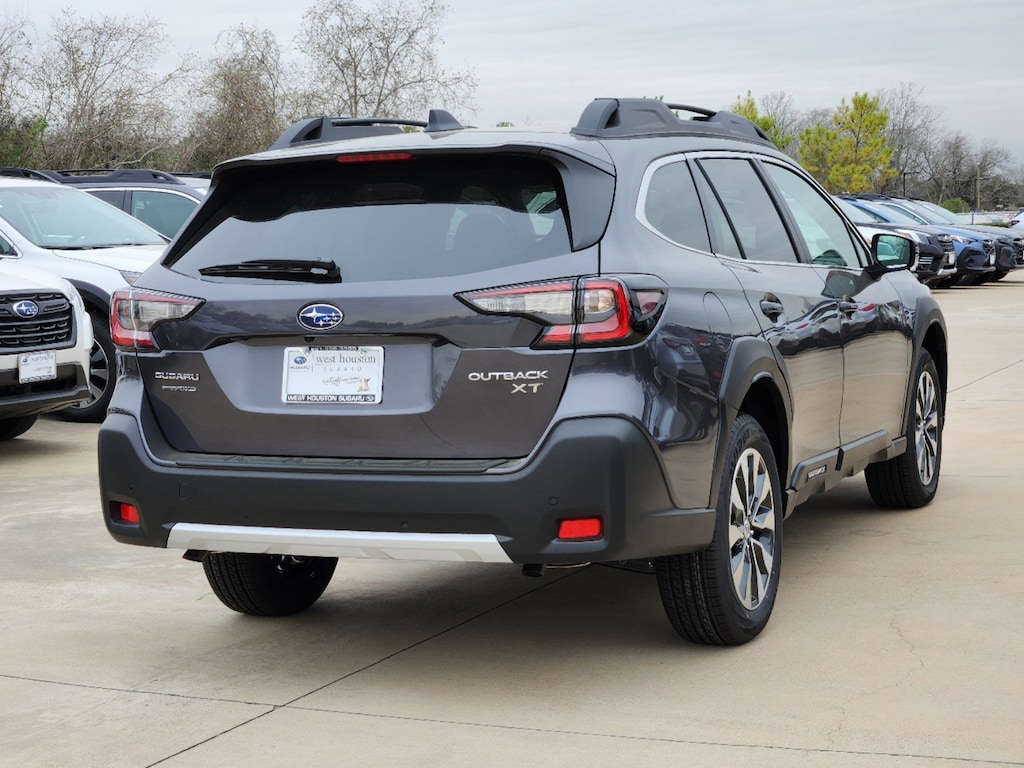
[428, 216]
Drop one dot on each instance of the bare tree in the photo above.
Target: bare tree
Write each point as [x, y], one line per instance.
[247, 100]
[99, 94]
[20, 127]
[380, 62]
[778, 106]
[914, 129]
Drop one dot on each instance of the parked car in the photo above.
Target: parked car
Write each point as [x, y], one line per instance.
[936, 253]
[975, 253]
[91, 244]
[1017, 220]
[159, 199]
[1009, 249]
[45, 339]
[642, 341]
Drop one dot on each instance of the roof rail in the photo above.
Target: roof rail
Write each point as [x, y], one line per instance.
[23, 173]
[639, 117]
[71, 175]
[318, 130]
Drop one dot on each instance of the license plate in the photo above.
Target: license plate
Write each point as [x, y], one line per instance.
[37, 366]
[333, 375]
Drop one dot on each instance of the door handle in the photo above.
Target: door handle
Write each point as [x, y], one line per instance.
[848, 306]
[772, 307]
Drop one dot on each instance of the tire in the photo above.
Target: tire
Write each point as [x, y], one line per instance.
[11, 428]
[101, 377]
[724, 595]
[268, 585]
[996, 276]
[911, 479]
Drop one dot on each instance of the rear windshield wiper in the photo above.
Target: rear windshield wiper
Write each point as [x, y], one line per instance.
[278, 269]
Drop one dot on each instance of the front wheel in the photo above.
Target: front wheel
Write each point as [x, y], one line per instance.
[267, 585]
[101, 377]
[11, 428]
[724, 595]
[911, 479]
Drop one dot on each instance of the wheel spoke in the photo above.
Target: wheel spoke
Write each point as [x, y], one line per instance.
[926, 428]
[752, 530]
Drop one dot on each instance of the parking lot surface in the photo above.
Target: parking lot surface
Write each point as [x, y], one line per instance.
[896, 639]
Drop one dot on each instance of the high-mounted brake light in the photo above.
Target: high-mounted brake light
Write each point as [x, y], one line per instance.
[135, 312]
[584, 311]
[374, 157]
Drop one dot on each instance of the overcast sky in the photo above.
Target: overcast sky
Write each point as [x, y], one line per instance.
[541, 62]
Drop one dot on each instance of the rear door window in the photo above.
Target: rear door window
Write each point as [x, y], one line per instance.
[755, 220]
[389, 219]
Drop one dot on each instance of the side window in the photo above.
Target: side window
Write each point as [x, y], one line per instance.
[6, 249]
[163, 211]
[757, 224]
[671, 207]
[822, 229]
[113, 196]
[723, 238]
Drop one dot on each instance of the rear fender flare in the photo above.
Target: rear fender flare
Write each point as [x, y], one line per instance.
[751, 363]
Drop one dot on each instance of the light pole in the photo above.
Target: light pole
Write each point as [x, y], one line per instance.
[977, 193]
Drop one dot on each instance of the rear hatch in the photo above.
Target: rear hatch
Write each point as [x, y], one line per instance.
[337, 307]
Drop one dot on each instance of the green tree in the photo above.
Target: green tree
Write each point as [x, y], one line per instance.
[745, 106]
[852, 152]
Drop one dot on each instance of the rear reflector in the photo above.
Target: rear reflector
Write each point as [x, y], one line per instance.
[580, 528]
[128, 513]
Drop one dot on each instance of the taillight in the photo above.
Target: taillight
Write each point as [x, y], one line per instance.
[134, 312]
[584, 311]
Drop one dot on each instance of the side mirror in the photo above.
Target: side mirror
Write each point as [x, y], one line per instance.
[890, 253]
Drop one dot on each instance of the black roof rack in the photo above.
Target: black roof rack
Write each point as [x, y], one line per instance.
[317, 130]
[23, 173]
[87, 175]
[608, 118]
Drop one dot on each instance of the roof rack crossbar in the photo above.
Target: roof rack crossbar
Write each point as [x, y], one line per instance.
[647, 117]
[316, 130]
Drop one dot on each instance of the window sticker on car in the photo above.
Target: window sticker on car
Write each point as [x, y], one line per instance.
[333, 375]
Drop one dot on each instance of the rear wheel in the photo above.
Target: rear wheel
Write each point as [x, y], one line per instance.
[725, 594]
[101, 378]
[268, 585]
[911, 479]
[11, 428]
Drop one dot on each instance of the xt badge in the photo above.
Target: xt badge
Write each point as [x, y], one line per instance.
[529, 381]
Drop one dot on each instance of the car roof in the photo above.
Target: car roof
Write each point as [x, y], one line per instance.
[602, 123]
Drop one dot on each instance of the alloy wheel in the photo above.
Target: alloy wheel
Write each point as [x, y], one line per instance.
[926, 427]
[752, 518]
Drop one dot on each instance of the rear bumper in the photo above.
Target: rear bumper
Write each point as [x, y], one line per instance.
[596, 467]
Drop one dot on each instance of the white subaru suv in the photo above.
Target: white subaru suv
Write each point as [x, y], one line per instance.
[96, 247]
[45, 340]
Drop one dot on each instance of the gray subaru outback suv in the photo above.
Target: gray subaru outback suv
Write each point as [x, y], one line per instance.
[641, 342]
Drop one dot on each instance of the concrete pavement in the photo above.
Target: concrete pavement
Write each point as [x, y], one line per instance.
[896, 639]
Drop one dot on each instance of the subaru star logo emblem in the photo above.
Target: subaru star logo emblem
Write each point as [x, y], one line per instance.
[26, 309]
[320, 317]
